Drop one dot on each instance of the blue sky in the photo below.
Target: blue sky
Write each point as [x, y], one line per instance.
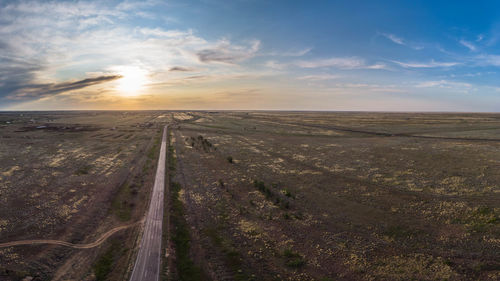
[249, 54]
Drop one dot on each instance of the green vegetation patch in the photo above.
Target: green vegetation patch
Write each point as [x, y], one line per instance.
[482, 218]
[293, 259]
[155, 149]
[171, 158]
[232, 258]
[280, 200]
[261, 186]
[186, 268]
[121, 206]
[105, 262]
[84, 170]
[201, 142]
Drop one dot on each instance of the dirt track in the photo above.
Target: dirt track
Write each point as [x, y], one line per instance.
[67, 244]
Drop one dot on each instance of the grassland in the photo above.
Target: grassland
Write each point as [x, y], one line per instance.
[256, 195]
[72, 176]
[341, 196]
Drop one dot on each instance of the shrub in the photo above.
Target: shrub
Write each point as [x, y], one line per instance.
[84, 170]
[288, 193]
[293, 259]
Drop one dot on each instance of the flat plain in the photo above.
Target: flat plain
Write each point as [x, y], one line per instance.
[255, 195]
[73, 176]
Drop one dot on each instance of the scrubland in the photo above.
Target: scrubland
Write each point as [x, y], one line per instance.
[341, 196]
[255, 195]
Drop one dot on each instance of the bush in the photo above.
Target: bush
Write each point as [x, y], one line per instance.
[293, 259]
[84, 170]
[230, 159]
[288, 193]
[259, 185]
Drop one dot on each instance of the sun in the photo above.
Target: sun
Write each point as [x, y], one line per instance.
[133, 81]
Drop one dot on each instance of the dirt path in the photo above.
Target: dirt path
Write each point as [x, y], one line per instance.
[67, 244]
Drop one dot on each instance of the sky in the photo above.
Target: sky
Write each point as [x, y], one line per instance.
[250, 55]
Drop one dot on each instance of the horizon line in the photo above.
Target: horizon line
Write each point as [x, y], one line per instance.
[256, 110]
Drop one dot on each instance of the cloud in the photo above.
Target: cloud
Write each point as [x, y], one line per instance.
[332, 62]
[484, 60]
[400, 41]
[342, 63]
[15, 73]
[318, 77]
[56, 41]
[394, 38]
[43, 90]
[172, 33]
[275, 65]
[468, 45]
[431, 64]
[368, 88]
[292, 53]
[225, 52]
[443, 84]
[179, 68]
[376, 66]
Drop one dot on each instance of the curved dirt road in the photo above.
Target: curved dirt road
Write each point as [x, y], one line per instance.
[67, 244]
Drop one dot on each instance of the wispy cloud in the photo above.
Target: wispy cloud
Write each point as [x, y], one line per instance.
[394, 38]
[342, 63]
[431, 64]
[348, 63]
[172, 33]
[400, 41]
[41, 42]
[318, 77]
[368, 87]
[275, 65]
[225, 52]
[443, 84]
[290, 53]
[487, 60]
[468, 45]
[332, 62]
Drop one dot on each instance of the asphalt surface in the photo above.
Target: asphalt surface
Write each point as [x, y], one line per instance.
[147, 264]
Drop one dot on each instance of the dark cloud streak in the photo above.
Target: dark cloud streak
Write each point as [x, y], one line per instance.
[42, 90]
[179, 68]
[217, 56]
[15, 74]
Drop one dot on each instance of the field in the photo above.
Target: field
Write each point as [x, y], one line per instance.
[72, 176]
[256, 195]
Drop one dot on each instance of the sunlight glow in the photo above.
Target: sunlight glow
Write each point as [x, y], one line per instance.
[133, 81]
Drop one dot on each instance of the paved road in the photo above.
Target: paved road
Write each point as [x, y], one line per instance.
[147, 264]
